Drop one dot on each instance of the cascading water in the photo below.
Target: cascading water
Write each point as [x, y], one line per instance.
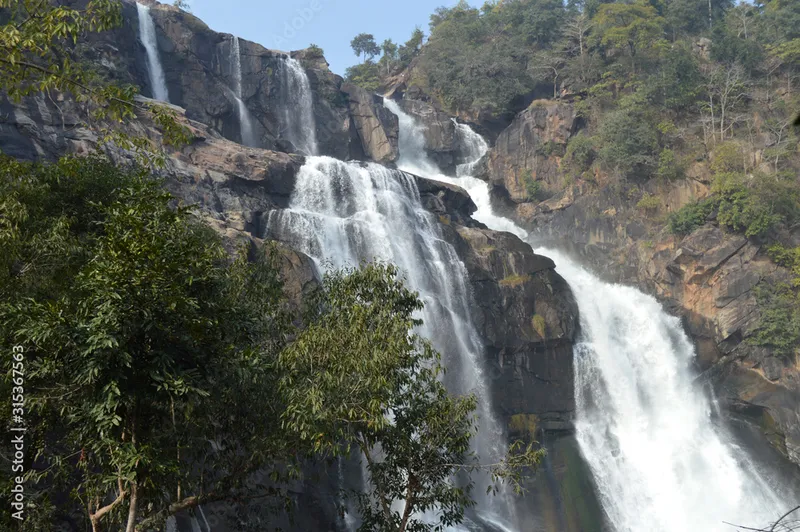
[299, 124]
[246, 129]
[414, 159]
[645, 429]
[342, 213]
[473, 145]
[660, 462]
[147, 34]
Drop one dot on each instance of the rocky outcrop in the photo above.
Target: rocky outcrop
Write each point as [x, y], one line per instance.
[376, 126]
[441, 142]
[526, 315]
[530, 149]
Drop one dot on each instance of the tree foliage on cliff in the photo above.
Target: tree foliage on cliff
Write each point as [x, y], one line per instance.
[145, 349]
[370, 74]
[388, 402]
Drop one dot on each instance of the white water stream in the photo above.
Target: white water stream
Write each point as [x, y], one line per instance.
[660, 462]
[246, 130]
[341, 213]
[299, 123]
[147, 34]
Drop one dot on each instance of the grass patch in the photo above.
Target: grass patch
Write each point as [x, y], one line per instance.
[539, 325]
[524, 424]
[515, 280]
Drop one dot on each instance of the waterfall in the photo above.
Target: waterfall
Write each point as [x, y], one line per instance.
[299, 124]
[472, 145]
[414, 159]
[246, 129]
[147, 34]
[342, 213]
[646, 430]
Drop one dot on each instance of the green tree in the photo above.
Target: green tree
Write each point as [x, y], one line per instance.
[389, 57]
[33, 51]
[634, 27]
[365, 75]
[677, 83]
[364, 46]
[357, 374]
[145, 348]
[780, 21]
[407, 51]
[534, 22]
[691, 17]
[467, 66]
[628, 141]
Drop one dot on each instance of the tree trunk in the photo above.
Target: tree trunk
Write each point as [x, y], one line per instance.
[713, 123]
[709, 14]
[133, 508]
[555, 85]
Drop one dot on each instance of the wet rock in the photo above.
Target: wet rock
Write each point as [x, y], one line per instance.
[441, 143]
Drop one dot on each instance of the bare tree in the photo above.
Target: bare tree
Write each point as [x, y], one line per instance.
[575, 31]
[741, 17]
[727, 87]
[548, 65]
[786, 523]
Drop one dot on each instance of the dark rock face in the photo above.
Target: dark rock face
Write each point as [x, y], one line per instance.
[376, 127]
[562, 495]
[199, 70]
[450, 202]
[527, 317]
[199, 67]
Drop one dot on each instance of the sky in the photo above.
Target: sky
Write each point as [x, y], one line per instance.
[331, 24]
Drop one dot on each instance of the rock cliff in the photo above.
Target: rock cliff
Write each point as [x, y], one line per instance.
[200, 74]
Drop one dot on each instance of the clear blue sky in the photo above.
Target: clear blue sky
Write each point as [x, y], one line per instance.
[294, 24]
